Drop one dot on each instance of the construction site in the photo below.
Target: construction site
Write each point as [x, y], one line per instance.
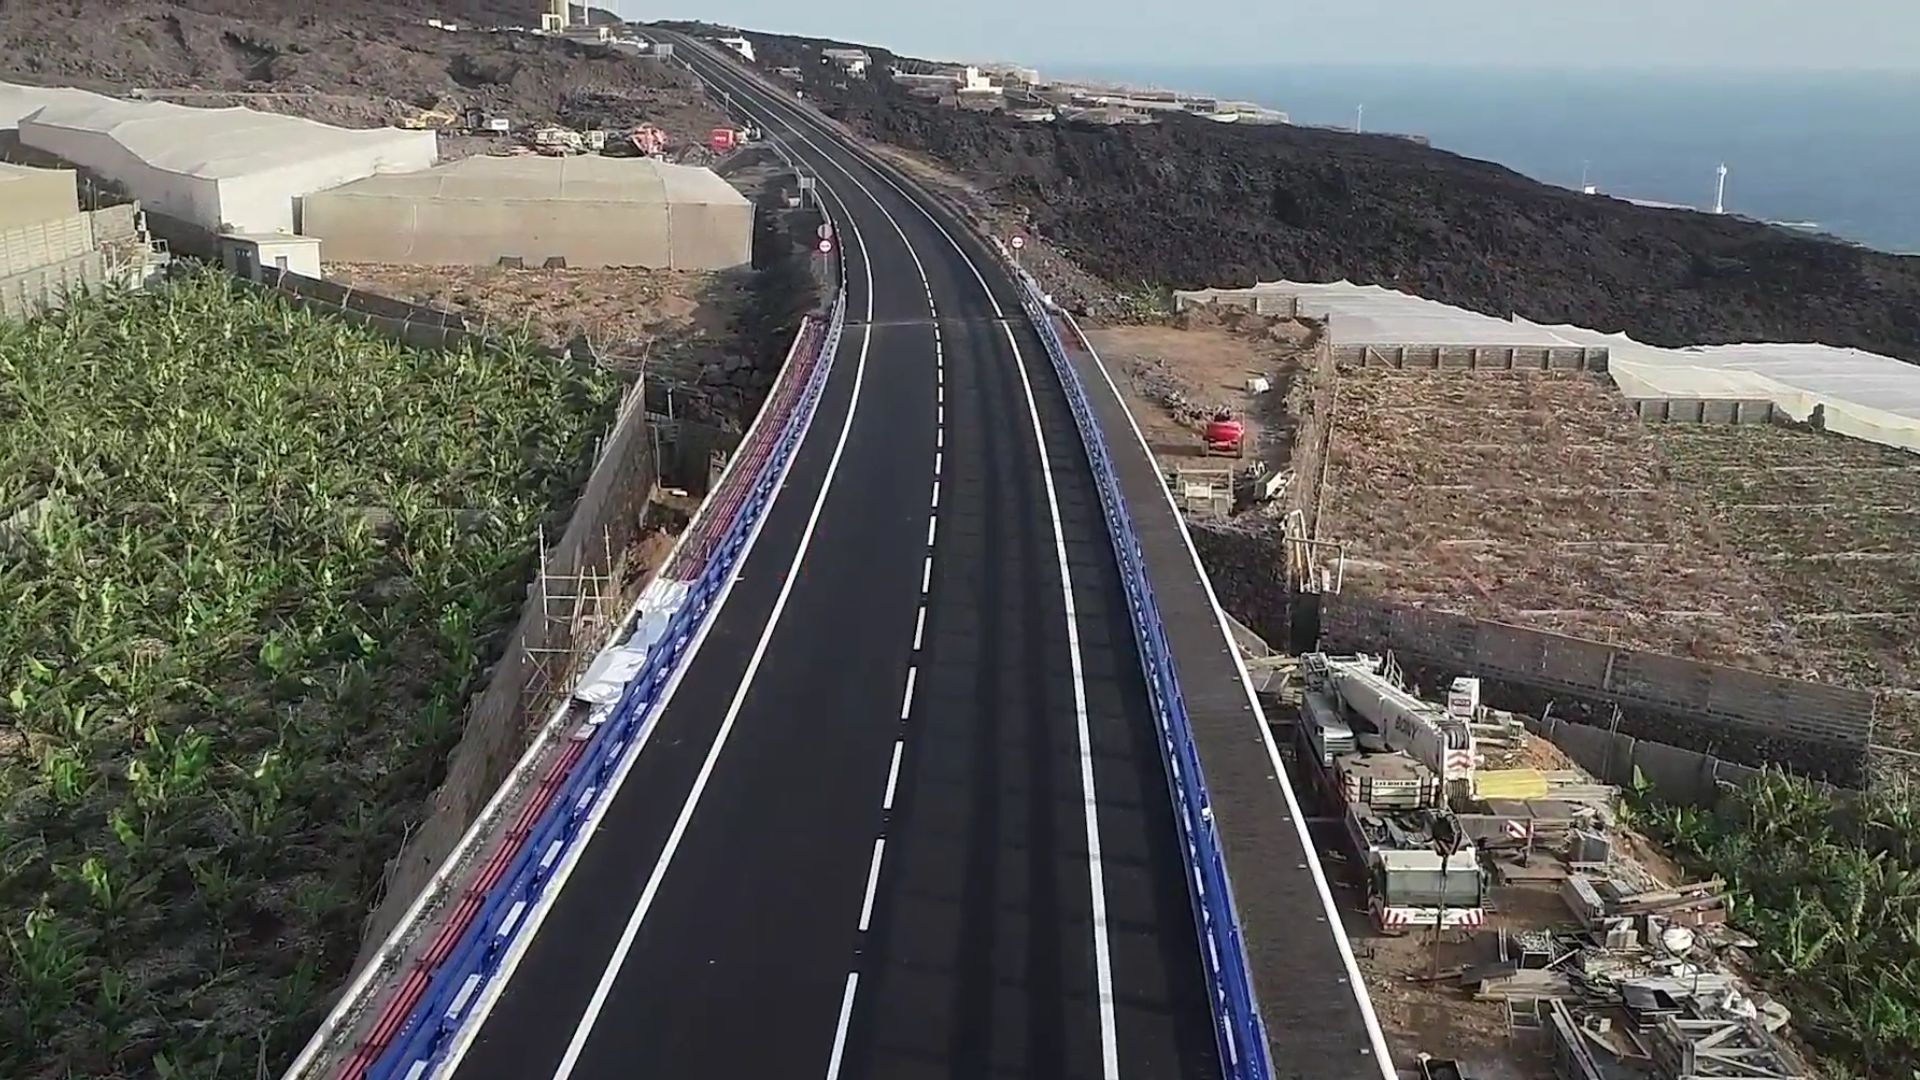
[1554, 573]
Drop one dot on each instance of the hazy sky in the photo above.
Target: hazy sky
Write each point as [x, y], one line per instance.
[1827, 34]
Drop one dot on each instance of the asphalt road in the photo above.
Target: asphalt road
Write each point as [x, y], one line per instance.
[860, 840]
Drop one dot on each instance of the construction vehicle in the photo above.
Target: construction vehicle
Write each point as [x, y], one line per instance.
[1225, 435]
[649, 140]
[554, 141]
[423, 119]
[1390, 765]
[480, 122]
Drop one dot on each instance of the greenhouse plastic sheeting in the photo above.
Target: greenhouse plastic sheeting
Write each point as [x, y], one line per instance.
[1867, 396]
[1372, 315]
[228, 169]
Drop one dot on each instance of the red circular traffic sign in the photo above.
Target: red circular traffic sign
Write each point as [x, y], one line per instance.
[826, 246]
[1019, 242]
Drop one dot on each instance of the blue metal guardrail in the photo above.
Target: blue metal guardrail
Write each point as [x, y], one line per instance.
[1237, 1025]
[456, 986]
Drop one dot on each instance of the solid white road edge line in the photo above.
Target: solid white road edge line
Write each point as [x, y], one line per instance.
[476, 1020]
[1096, 872]
[584, 1029]
[1355, 980]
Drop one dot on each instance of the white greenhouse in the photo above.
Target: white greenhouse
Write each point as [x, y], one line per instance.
[223, 170]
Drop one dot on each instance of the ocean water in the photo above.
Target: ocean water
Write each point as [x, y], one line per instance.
[1838, 149]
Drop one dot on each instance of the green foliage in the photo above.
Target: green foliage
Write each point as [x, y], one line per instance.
[252, 563]
[1829, 885]
[1145, 302]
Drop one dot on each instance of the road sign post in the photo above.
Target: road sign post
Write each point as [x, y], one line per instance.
[1018, 242]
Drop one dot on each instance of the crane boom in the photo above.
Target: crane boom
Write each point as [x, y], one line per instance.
[1436, 738]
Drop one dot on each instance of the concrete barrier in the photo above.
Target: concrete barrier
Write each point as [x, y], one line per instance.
[1672, 773]
[1747, 716]
[1475, 357]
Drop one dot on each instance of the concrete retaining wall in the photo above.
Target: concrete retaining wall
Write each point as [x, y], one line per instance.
[28, 293]
[1705, 411]
[409, 324]
[606, 520]
[1475, 357]
[1742, 715]
[1675, 774]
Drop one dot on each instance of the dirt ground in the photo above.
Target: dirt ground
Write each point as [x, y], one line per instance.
[1174, 376]
[1419, 1015]
[1542, 501]
[660, 315]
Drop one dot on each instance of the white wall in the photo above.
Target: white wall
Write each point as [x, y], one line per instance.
[264, 201]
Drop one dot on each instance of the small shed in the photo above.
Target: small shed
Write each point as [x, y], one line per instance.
[262, 256]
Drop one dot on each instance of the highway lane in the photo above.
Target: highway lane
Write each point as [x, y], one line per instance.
[1161, 1011]
[854, 894]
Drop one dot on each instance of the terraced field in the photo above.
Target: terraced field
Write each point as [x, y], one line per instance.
[1540, 500]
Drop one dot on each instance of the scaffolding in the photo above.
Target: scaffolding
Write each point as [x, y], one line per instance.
[577, 612]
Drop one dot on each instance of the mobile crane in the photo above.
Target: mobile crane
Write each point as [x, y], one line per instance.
[1391, 764]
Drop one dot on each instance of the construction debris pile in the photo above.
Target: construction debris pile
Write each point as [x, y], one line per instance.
[1639, 983]
[1563, 946]
[1156, 380]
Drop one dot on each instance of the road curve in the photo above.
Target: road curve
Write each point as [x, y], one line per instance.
[904, 815]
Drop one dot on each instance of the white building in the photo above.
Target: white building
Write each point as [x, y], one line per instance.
[224, 170]
[740, 45]
[974, 82]
[854, 62]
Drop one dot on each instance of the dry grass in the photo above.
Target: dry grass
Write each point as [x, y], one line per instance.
[1540, 500]
[623, 311]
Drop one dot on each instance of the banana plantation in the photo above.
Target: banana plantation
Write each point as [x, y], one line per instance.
[252, 564]
[1830, 889]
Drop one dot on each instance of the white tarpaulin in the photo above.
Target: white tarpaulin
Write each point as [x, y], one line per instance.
[606, 678]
